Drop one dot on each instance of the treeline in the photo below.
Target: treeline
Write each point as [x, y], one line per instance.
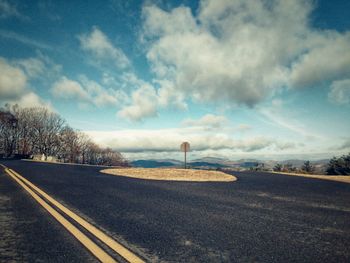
[306, 168]
[339, 165]
[336, 166]
[38, 131]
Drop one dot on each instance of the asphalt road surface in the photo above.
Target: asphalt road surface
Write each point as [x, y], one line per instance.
[260, 218]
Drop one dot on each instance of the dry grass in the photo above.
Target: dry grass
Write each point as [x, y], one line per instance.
[172, 174]
[337, 178]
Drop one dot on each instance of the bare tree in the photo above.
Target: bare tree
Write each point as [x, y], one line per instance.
[24, 126]
[45, 131]
[8, 131]
[70, 145]
[92, 153]
[84, 142]
[110, 157]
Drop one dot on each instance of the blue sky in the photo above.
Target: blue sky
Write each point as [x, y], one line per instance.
[237, 79]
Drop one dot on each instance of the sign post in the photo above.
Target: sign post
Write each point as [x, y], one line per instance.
[185, 147]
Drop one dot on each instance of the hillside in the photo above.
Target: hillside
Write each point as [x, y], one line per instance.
[151, 163]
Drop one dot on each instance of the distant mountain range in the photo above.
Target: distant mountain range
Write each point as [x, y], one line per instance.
[214, 162]
[153, 163]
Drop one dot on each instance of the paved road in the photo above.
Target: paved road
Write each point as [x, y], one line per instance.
[28, 234]
[260, 218]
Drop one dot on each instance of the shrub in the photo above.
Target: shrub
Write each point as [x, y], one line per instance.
[278, 167]
[339, 165]
[307, 167]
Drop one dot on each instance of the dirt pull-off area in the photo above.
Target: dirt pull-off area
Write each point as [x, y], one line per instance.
[337, 178]
[172, 174]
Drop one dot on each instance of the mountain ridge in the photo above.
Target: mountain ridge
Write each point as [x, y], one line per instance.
[217, 162]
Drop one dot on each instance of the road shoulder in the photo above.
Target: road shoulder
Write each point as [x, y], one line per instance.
[336, 178]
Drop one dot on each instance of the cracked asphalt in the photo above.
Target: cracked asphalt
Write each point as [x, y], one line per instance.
[260, 218]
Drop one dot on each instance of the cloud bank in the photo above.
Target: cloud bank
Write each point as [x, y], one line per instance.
[207, 122]
[169, 140]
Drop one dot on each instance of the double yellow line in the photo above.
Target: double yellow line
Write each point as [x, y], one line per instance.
[53, 209]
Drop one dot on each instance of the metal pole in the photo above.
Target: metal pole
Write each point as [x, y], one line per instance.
[185, 158]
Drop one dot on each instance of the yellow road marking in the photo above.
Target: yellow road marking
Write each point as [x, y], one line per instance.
[120, 249]
[87, 242]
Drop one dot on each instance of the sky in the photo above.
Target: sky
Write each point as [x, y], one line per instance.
[235, 78]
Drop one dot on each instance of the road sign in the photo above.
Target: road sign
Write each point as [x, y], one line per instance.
[185, 147]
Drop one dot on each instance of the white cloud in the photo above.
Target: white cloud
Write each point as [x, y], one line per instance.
[345, 145]
[40, 68]
[327, 59]
[209, 121]
[168, 97]
[241, 51]
[146, 99]
[214, 123]
[243, 127]
[8, 10]
[102, 48]
[13, 81]
[102, 96]
[32, 66]
[340, 92]
[27, 100]
[87, 92]
[286, 145]
[31, 99]
[69, 89]
[144, 104]
[279, 119]
[23, 39]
